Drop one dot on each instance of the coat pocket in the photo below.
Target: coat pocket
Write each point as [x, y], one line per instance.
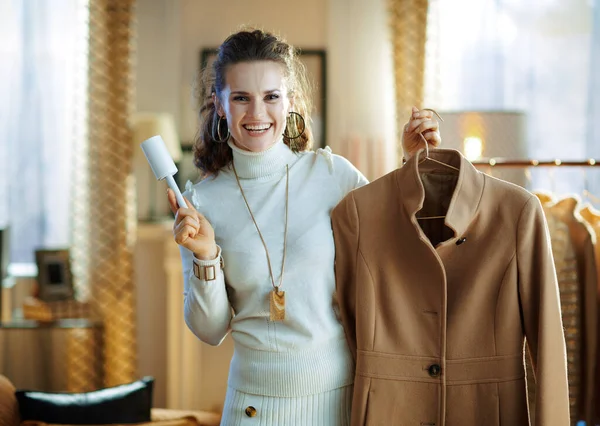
[473, 405]
[400, 403]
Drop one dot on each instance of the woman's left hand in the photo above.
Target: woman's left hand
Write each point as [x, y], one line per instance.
[420, 125]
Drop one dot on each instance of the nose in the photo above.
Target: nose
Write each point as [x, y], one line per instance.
[257, 108]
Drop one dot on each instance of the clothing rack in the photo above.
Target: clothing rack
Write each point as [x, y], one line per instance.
[504, 162]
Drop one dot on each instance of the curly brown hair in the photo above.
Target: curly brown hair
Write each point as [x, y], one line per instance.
[210, 156]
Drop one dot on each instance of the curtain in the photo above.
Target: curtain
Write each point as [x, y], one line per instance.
[536, 57]
[104, 225]
[361, 109]
[41, 76]
[409, 29]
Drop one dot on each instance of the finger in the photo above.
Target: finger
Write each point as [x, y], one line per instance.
[190, 222]
[189, 204]
[181, 237]
[424, 113]
[427, 125]
[195, 219]
[433, 112]
[184, 233]
[433, 138]
[172, 201]
[183, 212]
[413, 124]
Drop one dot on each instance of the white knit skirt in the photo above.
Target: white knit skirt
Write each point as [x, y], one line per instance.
[331, 408]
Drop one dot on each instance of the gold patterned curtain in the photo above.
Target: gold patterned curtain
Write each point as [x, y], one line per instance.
[408, 20]
[104, 207]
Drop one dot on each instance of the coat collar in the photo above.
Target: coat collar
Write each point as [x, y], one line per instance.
[466, 196]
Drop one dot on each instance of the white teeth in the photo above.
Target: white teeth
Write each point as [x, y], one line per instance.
[257, 127]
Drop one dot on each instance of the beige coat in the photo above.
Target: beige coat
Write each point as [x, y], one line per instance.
[438, 333]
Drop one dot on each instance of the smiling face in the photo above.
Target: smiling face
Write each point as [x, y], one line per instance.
[255, 103]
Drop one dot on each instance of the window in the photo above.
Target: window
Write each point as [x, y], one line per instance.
[42, 110]
[540, 57]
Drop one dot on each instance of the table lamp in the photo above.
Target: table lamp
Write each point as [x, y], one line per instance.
[480, 135]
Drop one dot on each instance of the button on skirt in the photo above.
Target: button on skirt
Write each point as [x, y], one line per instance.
[331, 408]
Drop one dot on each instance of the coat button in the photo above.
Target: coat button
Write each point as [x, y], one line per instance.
[434, 370]
[250, 411]
[461, 240]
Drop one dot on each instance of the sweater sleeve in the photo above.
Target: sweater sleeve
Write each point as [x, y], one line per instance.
[207, 311]
[346, 175]
[345, 233]
[542, 321]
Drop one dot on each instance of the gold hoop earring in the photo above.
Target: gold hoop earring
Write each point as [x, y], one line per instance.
[218, 138]
[292, 121]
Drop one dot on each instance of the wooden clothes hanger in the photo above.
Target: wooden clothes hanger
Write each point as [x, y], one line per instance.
[428, 158]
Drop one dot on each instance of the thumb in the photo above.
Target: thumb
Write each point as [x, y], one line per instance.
[415, 109]
[172, 201]
[189, 204]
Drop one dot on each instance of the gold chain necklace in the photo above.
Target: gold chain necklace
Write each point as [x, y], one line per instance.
[276, 296]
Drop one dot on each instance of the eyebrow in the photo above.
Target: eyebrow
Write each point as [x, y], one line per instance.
[266, 92]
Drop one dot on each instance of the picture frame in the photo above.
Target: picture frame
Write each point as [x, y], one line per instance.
[54, 275]
[315, 62]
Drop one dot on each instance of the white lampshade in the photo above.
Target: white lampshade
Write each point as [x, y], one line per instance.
[481, 135]
[148, 124]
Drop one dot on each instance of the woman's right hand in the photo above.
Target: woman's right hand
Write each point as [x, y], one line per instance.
[191, 230]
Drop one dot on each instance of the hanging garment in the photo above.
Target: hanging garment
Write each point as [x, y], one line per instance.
[569, 284]
[438, 331]
[561, 247]
[592, 217]
[582, 238]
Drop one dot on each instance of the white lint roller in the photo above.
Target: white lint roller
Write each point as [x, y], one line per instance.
[162, 164]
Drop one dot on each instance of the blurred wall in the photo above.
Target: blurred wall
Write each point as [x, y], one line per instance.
[171, 34]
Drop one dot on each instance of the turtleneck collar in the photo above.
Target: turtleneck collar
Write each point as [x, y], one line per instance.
[253, 165]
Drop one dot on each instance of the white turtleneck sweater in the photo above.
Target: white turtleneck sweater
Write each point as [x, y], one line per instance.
[306, 353]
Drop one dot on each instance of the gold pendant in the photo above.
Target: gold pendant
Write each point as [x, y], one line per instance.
[277, 305]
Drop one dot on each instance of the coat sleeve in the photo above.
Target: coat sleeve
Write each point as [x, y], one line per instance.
[345, 233]
[588, 274]
[542, 321]
[207, 310]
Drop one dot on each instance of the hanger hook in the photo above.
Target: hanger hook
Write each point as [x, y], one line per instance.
[426, 145]
[585, 183]
[528, 177]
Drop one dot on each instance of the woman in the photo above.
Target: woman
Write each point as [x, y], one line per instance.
[256, 240]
